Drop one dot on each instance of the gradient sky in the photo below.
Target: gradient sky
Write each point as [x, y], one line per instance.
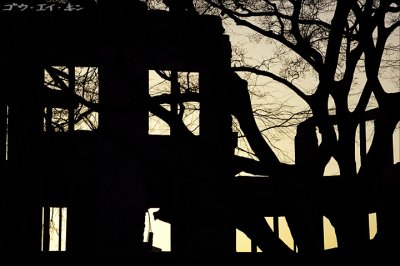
[258, 51]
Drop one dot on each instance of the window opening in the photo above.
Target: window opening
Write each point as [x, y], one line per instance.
[54, 229]
[72, 98]
[177, 98]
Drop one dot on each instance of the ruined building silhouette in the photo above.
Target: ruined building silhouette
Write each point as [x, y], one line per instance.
[82, 134]
[75, 135]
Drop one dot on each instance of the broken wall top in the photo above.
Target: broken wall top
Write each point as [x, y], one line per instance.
[111, 24]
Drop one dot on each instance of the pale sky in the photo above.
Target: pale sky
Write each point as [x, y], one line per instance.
[259, 51]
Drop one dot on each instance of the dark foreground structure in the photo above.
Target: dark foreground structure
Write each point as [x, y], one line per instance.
[75, 117]
[85, 88]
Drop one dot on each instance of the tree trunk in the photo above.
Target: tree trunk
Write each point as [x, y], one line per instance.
[382, 180]
[351, 218]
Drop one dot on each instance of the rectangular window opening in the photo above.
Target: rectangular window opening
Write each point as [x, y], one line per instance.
[177, 98]
[157, 234]
[72, 95]
[373, 226]
[190, 109]
[159, 86]
[396, 144]
[54, 229]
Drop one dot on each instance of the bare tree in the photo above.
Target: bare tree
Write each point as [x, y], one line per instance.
[336, 41]
[350, 48]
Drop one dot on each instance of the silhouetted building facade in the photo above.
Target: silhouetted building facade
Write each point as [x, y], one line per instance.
[82, 94]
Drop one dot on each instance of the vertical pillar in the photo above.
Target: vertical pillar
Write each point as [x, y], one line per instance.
[25, 125]
[123, 127]
[307, 222]
[46, 228]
